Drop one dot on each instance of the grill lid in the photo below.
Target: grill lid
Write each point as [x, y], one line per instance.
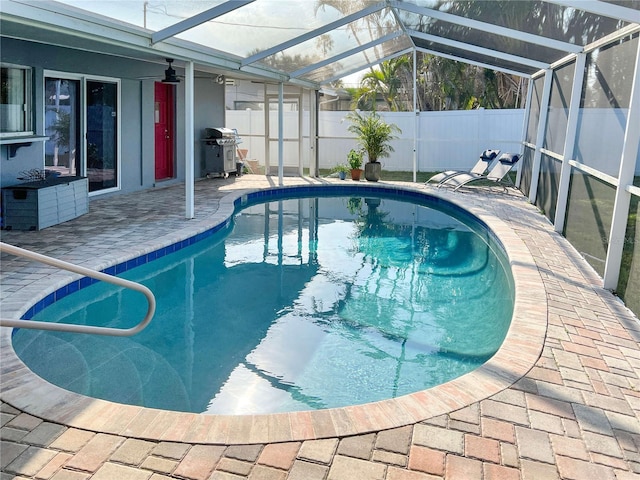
[219, 132]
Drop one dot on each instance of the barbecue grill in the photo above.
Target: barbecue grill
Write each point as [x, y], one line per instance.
[220, 144]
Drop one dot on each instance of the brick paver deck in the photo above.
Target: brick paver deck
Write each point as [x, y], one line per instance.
[574, 415]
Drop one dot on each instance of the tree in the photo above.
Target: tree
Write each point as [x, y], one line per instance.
[371, 26]
[385, 82]
[325, 43]
[448, 85]
[365, 29]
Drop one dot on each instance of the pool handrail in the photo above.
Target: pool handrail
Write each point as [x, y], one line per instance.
[67, 327]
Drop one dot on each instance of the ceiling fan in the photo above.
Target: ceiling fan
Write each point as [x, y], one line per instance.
[171, 77]
[170, 73]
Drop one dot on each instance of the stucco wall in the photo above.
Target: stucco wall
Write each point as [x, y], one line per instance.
[136, 115]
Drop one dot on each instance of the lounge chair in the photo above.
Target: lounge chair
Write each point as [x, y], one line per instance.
[496, 176]
[481, 167]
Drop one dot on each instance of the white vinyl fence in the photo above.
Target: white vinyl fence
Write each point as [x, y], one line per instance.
[444, 140]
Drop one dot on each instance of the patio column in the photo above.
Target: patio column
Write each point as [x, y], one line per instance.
[630, 150]
[569, 142]
[280, 133]
[300, 135]
[189, 176]
[314, 96]
[542, 124]
[416, 117]
[267, 132]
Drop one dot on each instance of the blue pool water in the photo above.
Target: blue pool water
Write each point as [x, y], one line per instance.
[299, 303]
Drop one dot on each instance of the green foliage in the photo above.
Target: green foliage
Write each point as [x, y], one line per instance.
[61, 128]
[442, 84]
[386, 83]
[341, 168]
[354, 205]
[355, 159]
[374, 134]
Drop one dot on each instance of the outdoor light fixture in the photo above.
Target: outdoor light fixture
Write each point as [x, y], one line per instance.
[170, 73]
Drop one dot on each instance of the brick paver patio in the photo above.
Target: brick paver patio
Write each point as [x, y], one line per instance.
[575, 415]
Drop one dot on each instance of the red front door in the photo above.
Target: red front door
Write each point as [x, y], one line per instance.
[164, 112]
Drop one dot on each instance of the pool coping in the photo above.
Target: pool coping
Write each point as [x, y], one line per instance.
[519, 352]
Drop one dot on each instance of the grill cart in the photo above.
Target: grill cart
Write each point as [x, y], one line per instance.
[220, 144]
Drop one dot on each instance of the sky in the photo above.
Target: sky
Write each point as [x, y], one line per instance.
[253, 27]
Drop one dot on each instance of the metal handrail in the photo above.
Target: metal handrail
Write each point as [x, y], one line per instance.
[67, 327]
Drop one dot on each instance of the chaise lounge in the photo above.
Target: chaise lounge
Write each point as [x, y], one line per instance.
[496, 176]
[481, 167]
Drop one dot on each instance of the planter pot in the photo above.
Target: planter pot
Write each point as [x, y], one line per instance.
[372, 171]
[342, 175]
[355, 174]
[372, 203]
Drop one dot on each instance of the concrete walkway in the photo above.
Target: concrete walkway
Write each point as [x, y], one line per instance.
[574, 415]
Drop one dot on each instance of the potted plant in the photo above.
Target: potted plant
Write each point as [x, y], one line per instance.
[354, 158]
[374, 136]
[354, 205]
[341, 170]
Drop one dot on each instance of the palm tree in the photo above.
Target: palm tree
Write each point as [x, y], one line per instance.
[386, 81]
[325, 43]
[373, 133]
[370, 27]
[373, 24]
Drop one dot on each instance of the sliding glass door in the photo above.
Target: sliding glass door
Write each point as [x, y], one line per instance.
[102, 134]
[81, 120]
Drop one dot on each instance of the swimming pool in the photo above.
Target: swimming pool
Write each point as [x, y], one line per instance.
[295, 231]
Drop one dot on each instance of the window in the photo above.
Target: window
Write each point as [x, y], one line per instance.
[15, 101]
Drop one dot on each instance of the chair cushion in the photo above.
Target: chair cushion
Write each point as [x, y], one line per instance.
[489, 155]
[509, 158]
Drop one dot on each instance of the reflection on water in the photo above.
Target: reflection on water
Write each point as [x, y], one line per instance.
[307, 303]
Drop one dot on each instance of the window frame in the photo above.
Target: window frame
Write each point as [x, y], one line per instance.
[28, 108]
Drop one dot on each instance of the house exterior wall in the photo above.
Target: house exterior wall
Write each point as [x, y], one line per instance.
[137, 137]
